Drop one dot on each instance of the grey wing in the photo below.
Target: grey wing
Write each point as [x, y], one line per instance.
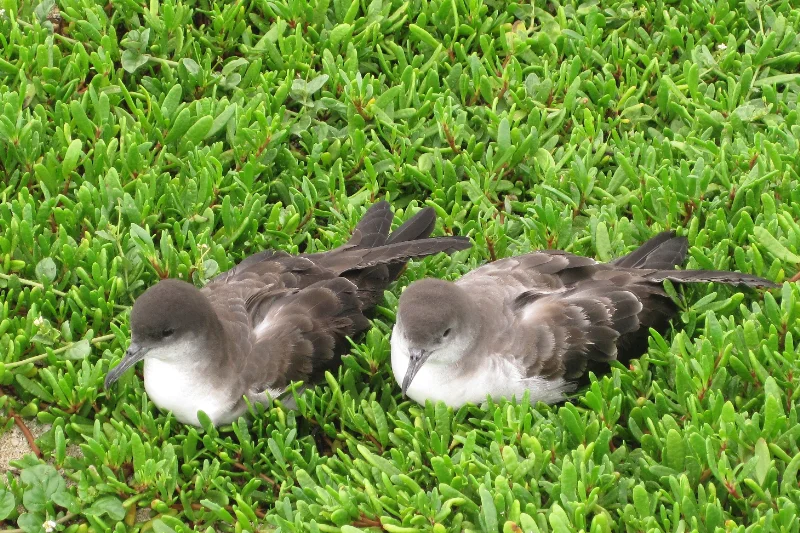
[571, 314]
[301, 333]
[290, 316]
[544, 271]
[272, 266]
[568, 312]
[599, 320]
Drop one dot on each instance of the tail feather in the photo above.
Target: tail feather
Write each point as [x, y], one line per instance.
[420, 226]
[662, 252]
[401, 252]
[657, 258]
[373, 258]
[708, 276]
[373, 228]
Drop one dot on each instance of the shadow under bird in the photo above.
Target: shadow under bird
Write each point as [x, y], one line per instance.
[273, 319]
[536, 322]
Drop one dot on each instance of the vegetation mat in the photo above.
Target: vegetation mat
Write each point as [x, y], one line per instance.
[145, 139]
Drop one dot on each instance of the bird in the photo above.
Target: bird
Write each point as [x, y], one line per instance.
[536, 322]
[273, 319]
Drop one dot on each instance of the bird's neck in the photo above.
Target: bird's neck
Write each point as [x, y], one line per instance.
[215, 350]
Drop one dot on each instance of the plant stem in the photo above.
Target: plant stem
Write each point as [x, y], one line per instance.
[96, 340]
[64, 38]
[265, 477]
[30, 283]
[66, 518]
[165, 62]
[26, 432]
[36, 284]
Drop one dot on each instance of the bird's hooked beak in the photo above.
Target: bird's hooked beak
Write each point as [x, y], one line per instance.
[133, 355]
[416, 359]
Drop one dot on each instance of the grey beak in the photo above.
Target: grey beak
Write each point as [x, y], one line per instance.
[134, 354]
[416, 359]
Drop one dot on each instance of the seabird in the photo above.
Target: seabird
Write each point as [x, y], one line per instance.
[273, 319]
[536, 322]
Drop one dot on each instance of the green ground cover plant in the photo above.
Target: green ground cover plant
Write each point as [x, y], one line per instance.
[145, 139]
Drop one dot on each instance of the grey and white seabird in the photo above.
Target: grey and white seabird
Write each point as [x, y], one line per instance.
[273, 319]
[536, 322]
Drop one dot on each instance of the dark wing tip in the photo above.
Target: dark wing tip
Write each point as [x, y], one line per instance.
[711, 276]
[459, 242]
[419, 226]
[664, 251]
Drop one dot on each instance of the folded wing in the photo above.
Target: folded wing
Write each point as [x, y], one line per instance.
[293, 314]
[575, 312]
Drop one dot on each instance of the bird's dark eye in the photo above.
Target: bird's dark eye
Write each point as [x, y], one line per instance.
[446, 333]
[167, 332]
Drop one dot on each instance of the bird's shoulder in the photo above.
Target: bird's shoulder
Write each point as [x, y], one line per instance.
[589, 320]
[545, 269]
[264, 267]
[288, 315]
[302, 332]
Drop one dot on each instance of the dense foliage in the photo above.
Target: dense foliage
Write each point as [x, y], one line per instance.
[141, 140]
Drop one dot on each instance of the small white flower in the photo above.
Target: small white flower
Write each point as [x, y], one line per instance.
[49, 526]
[202, 247]
[39, 322]
[722, 46]
[2, 13]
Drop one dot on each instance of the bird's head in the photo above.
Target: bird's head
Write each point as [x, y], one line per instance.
[435, 319]
[168, 321]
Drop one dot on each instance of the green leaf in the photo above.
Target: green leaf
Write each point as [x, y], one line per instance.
[199, 130]
[7, 503]
[180, 126]
[504, 134]
[191, 65]
[46, 270]
[375, 460]
[71, 157]
[160, 527]
[789, 482]
[66, 500]
[569, 481]
[60, 451]
[31, 522]
[421, 34]
[765, 239]
[222, 120]
[559, 520]
[107, 505]
[570, 415]
[675, 451]
[42, 482]
[137, 450]
[780, 79]
[488, 510]
[133, 60]
[172, 101]
[603, 243]
[340, 33]
[641, 501]
[762, 461]
[33, 388]
[220, 511]
[85, 125]
[78, 350]
[316, 84]
[143, 236]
